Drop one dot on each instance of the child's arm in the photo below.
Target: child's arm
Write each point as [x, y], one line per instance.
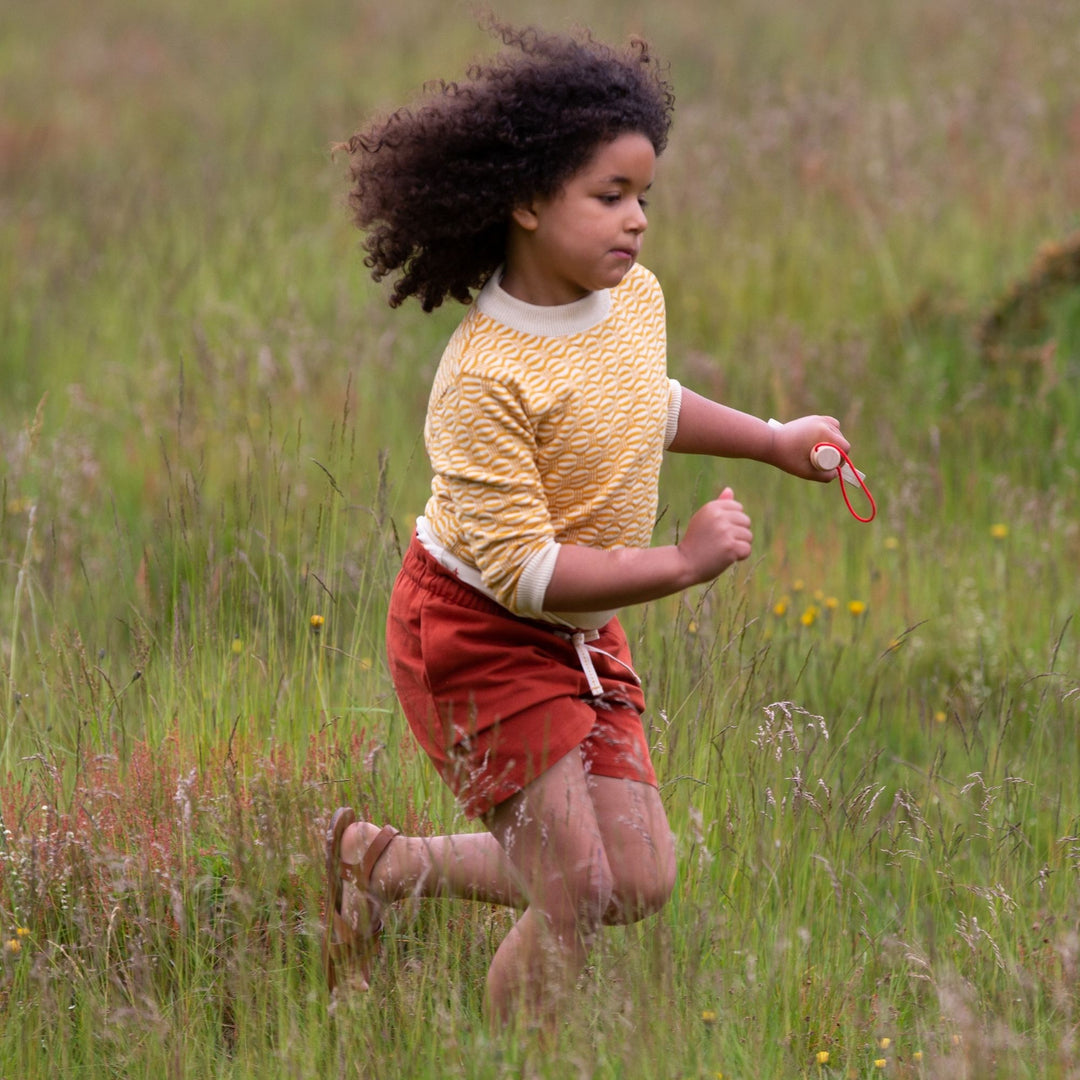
[589, 579]
[707, 427]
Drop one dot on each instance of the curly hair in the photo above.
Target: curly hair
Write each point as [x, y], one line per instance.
[434, 186]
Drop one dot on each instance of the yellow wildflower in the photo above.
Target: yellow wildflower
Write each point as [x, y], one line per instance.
[884, 1042]
[691, 627]
[13, 945]
[856, 607]
[832, 603]
[999, 531]
[780, 607]
[879, 1063]
[317, 623]
[237, 646]
[917, 1056]
[708, 1016]
[808, 617]
[891, 543]
[940, 716]
[823, 1057]
[23, 931]
[797, 585]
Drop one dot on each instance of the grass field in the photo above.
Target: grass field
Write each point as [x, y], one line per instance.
[211, 435]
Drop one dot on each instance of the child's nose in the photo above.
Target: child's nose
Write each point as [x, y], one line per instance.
[638, 222]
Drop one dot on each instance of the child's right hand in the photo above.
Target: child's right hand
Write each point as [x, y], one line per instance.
[716, 536]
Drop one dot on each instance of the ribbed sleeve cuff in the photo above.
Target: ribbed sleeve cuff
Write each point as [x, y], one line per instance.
[534, 580]
[673, 410]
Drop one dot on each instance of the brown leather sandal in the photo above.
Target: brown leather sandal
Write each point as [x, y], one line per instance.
[350, 945]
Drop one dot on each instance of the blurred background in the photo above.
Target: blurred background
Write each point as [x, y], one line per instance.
[211, 457]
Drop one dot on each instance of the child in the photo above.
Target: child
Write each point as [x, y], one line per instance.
[522, 193]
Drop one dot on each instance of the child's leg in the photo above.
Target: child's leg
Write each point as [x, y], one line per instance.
[473, 866]
[577, 850]
[466, 866]
[551, 838]
[639, 846]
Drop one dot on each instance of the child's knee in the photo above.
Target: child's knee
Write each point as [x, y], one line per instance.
[641, 890]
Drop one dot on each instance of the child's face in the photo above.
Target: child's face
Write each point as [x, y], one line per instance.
[588, 235]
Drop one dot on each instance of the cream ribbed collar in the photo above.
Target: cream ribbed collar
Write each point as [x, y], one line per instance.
[560, 320]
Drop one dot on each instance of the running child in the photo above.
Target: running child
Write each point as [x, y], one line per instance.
[521, 192]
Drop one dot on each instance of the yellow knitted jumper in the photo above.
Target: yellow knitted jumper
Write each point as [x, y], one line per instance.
[546, 426]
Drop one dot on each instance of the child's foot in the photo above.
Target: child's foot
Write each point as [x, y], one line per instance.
[353, 919]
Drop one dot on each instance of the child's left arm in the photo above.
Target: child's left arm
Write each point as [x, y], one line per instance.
[707, 427]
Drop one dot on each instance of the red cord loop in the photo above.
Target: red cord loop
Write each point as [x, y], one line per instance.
[861, 482]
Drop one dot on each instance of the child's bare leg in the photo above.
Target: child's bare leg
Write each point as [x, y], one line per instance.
[473, 866]
[466, 866]
[551, 838]
[640, 849]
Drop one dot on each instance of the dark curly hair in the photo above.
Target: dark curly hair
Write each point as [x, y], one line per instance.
[434, 185]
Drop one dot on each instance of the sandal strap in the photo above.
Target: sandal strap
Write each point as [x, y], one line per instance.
[360, 873]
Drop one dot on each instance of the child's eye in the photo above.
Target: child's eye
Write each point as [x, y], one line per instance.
[610, 199]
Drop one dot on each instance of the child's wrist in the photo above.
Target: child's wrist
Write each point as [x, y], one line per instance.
[771, 454]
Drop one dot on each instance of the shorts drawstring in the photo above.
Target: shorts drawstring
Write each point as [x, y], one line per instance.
[580, 639]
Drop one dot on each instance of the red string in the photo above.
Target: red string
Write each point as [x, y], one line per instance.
[862, 484]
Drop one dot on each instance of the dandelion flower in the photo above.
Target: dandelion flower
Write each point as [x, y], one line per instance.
[809, 616]
[708, 1016]
[832, 603]
[917, 1056]
[819, 595]
[823, 1057]
[999, 531]
[780, 607]
[856, 607]
[13, 945]
[798, 585]
[879, 1063]
[23, 931]
[317, 623]
[884, 1042]
[691, 627]
[940, 716]
[237, 646]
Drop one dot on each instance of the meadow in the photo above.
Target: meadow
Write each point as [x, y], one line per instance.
[210, 425]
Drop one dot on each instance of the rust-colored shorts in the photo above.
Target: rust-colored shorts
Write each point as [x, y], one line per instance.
[494, 700]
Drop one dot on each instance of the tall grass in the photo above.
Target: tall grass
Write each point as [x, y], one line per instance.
[210, 430]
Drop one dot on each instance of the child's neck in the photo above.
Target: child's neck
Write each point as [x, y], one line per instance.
[538, 288]
[528, 276]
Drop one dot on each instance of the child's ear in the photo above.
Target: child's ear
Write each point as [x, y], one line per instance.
[526, 217]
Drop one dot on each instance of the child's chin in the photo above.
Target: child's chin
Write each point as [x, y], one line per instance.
[615, 275]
